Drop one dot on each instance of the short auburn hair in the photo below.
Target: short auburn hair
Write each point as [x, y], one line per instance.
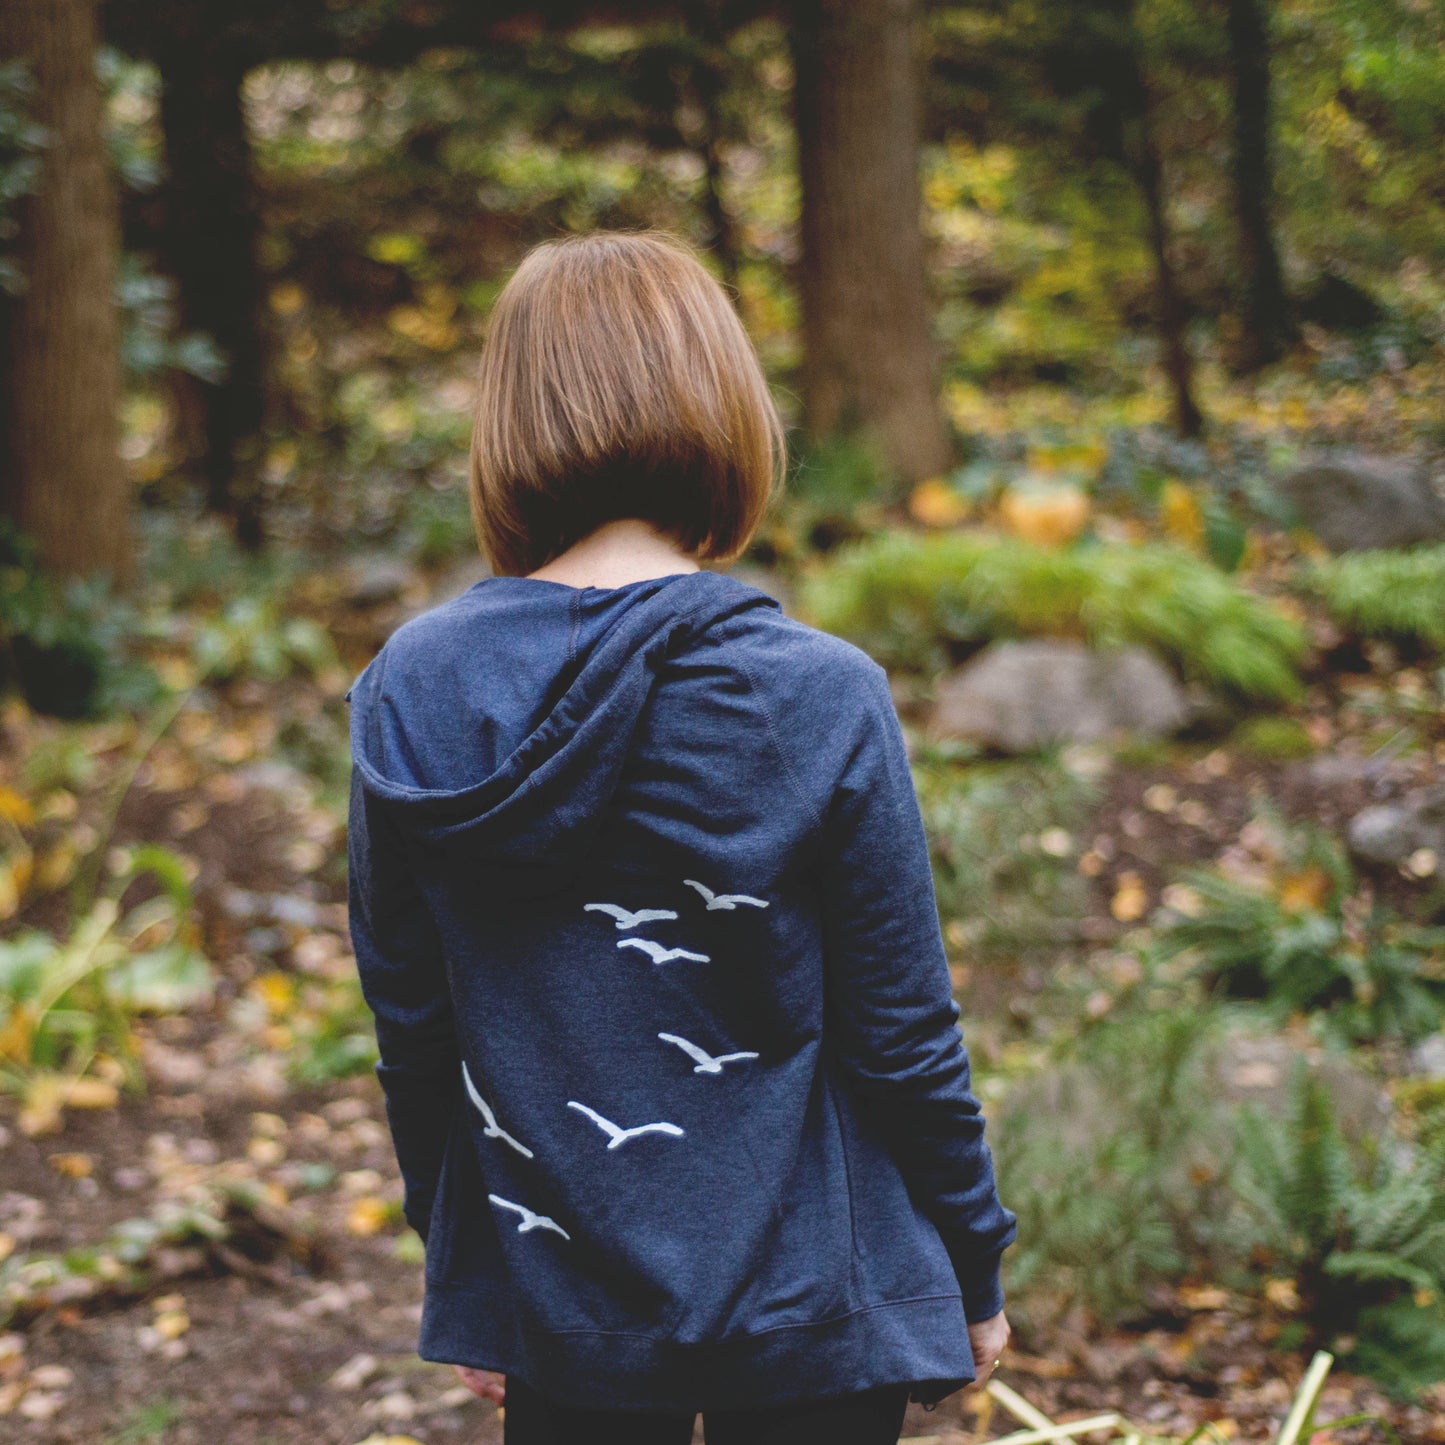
[617, 381]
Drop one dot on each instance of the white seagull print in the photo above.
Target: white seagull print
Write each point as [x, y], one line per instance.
[660, 952]
[626, 918]
[493, 1129]
[706, 1063]
[723, 900]
[530, 1219]
[618, 1136]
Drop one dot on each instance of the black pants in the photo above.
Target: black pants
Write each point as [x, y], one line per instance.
[874, 1417]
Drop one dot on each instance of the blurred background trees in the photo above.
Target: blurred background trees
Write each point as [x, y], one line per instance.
[1111, 339]
[1146, 135]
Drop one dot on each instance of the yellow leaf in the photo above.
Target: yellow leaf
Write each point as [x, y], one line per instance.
[1305, 891]
[56, 866]
[1130, 899]
[276, 990]
[7, 1246]
[91, 1094]
[73, 1166]
[17, 1034]
[1046, 516]
[1282, 1294]
[1203, 1297]
[366, 1215]
[15, 808]
[172, 1324]
[1180, 514]
[935, 504]
[287, 298]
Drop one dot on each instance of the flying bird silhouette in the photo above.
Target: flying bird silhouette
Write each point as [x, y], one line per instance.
[627, 918]
[660, 952]
[706, 1063]
[618, 1136]
[530, 1219]
[723, 900]
[493, 1129]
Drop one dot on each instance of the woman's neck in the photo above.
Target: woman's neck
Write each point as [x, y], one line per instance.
[626, 550]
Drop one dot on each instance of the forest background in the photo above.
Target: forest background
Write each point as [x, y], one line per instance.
[1109, 336]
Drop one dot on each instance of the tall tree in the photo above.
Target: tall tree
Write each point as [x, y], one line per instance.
[1264, 306]
[869, 363]
[1108, 46]
[62, 481]
[211, 236]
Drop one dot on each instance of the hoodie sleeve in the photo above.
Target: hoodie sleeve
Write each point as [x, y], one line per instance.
[890, 999]
[403, 978]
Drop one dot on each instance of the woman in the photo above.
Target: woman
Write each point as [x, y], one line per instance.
[641, 902]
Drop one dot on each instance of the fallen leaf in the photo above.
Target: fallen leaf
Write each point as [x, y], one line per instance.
[935, 504]
[1305, 891]
[1282, 1294]
[354, 1373]
[15, 808]
[73, 1166]
[366, 1215]
[1130, 899]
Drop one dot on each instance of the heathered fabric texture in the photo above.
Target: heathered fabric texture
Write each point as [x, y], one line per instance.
[641, 902]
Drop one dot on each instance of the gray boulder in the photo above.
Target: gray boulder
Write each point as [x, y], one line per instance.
[373, 579]
[1355, 501]
[1390, 833]
[1022, 696]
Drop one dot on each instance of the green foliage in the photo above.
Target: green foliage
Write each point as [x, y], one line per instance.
[1002, 840]
[1395, 595]
[65, 1000]
[334, 1040]
[121, 1265]
[1362, 1230]
[64, 646]
[253, 637]
[1298, 935]
[21, 142]
[146, 1422]
[837, 487]
[1118, 1156]
[1274, 737]
[148, 343]
[911, 600]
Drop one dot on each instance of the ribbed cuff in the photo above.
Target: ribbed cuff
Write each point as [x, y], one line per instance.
[982, 1292]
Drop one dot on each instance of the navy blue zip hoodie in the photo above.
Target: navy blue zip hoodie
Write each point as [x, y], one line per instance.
[641, 901]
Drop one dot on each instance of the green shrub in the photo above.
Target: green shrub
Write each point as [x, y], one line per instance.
[1397, 596]
[64, 646]
[1298, 936]
[21, 143]
[1273, 737]
[1361, 1230]
[837, 489]
[65, 1000]
[913, 601]
[1118, 1156]
[1003, 843]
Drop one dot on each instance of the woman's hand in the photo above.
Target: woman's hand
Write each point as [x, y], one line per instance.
[486, 1383]
[988, 1339]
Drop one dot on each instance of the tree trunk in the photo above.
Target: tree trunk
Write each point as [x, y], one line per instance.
[1178, 363]
[869, 363]
[62, 480]
[211, 232]
[1264, 307]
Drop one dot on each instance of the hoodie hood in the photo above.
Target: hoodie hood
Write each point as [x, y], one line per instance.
[499, 723]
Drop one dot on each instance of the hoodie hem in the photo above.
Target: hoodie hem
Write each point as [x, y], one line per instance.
[920, 1342]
